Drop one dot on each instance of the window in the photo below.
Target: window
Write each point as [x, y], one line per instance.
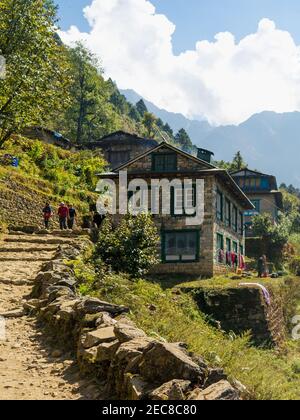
[228, 213]
[183, 201]
[180, 246]
[220, 242]
[219, 206]
[241, 250]
[241, 224]
[118, 157]
[235, 218]
[256, 204]
[164, 162]
[228, 245]
[235, 247]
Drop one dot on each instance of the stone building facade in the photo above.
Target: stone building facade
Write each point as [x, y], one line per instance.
[263, 192]
[121, 147]
[189, 246]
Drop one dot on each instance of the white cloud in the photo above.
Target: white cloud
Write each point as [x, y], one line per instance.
[224, 81]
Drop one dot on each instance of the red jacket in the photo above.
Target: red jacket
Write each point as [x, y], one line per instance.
[63, 211]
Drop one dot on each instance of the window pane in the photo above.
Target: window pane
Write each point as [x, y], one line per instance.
[181, 246]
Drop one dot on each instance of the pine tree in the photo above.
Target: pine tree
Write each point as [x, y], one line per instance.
[141, 107]
[183, 140]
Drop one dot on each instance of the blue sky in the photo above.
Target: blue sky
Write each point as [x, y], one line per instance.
[201, 19]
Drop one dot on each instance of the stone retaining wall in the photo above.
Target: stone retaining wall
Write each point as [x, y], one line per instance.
[110, 346]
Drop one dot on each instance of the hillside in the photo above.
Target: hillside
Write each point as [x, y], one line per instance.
[46, 173]
[268, 141]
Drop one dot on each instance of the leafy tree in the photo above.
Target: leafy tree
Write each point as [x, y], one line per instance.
[264, 227]
[141, 107]
[37, 73]
[168, 130]
[183, 140]
[90, 115]
[149, 122]
[131, 247]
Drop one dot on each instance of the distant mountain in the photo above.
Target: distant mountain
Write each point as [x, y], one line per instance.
[268, 141]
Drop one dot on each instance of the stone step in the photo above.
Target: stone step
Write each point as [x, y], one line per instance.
[35, 239]
[27, 247]
[21, 256]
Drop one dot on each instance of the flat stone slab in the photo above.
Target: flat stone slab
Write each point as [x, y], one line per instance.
[102, 335]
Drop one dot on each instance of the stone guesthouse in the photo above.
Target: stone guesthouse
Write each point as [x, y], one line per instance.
[211, 247]
[263, 192]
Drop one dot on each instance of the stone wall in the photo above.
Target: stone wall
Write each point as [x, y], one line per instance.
[110, 346]
[241, 309]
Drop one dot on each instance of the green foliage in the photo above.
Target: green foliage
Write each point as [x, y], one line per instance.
[183, 140]
[141, 107]
[37, 73]
[237, 163]
[131, 247]
[149, 121]
[264, 227]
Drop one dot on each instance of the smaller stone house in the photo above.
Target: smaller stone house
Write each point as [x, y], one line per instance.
[263, 192]
[120, 147]
[50, 137]
[211, 246]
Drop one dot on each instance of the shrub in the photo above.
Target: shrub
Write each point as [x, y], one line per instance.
[131, 247]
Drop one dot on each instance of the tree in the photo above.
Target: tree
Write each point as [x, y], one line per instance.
[131, 247]
[183, 140]
[149, 122]
[90, 115]
[141, 107]
[264, 227]
[168, 130]
[37, 74]
[238, 162]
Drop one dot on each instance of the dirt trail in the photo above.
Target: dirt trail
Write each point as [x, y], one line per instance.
[31, 366]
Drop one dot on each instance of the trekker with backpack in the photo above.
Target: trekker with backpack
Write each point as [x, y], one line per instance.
[72, 217]
[48, 213]
[63, 213]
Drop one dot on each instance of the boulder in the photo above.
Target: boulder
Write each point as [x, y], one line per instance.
[102, 335]
[93, 306]
[55, 292]
[106, 351]
[164, 362]
[135, 388]
[171, 391]
[126, 332]
[70, 283]
[105, 320]
[214, 376]
[217, 392]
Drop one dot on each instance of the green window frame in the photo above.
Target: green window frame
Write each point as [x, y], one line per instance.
[228, 245]
[227, 212]
[219, 206]
[220, 242]
[235, 218]
[164, 162]
[241, 250]
[235, 246]
[180, 246]
[242, 227]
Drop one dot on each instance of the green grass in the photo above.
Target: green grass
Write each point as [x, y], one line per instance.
[268, 374]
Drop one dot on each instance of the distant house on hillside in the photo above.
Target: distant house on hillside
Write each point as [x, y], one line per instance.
[188, 244]
[263, 192]
[48, 136]
[120, 147]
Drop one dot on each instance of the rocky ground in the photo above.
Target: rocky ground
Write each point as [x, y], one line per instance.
[32, 367]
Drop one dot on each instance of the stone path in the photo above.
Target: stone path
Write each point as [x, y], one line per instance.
[31, 365]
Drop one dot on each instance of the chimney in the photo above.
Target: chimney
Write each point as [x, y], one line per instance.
[205, 155]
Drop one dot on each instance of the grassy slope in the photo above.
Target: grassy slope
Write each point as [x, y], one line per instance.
[46, 173]
[267, 374]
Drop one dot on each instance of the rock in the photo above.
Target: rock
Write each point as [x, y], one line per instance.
[135, 387]
[214, 376]
[106, 351]
[56, 354]
[125, 332]
[104, 319]
[55, 292]
[70, 283]
[102, 335]
[174, 390]
[16, 313]
[93, 306]
[164, 362]
[216, 392]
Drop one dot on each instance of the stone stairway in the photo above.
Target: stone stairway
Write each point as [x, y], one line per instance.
[31, 365]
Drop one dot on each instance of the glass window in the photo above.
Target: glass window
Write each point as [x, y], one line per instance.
[183, 200]
[228, 245]
[235, 218]
[164, 162]
[219, 206]
[235, 247]
[181, 246]
[228, 213]
[241, 250]
[256, 204]
[241, 223]
[220, 242]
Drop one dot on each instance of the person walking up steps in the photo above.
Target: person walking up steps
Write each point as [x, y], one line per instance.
[72, 217]
[63, 213]
[48, 213]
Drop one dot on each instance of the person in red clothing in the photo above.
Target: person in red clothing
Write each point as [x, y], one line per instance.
[63, 213]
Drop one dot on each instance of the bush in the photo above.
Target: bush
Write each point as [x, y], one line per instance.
[131, 247]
